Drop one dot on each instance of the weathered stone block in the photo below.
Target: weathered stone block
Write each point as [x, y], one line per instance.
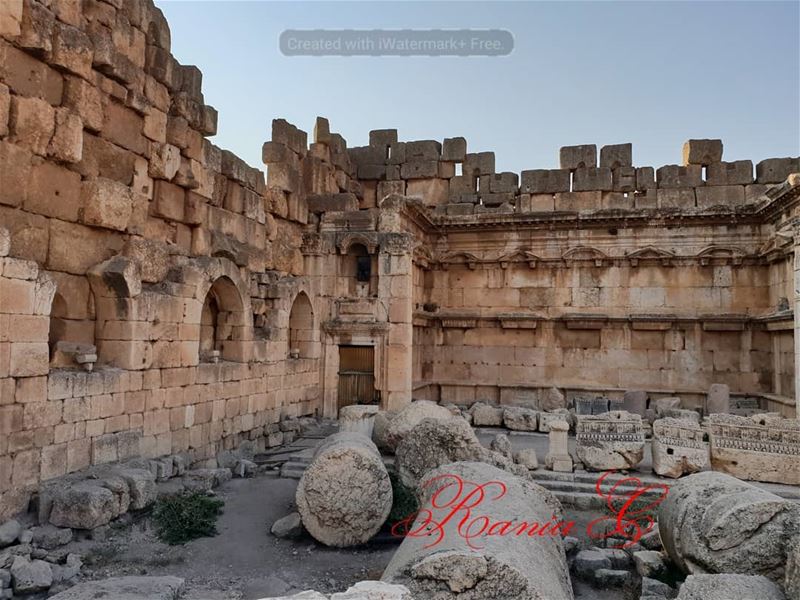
[106, 203]
[675, 176]
[423, 150]
[544, 181]
[702, 152]
[168, 201]
[5, 109]
[11, 18]
[454, 149]
[623, 179]
[14, 175]
[53, 191]
[578, 201]
[382, 137]
[676, 198]
[67, 142]
[592, 178]
[720, 195]
[477, 164]
[776, 170]
[499, 183]
[72, 50]
[86, 100]
[419, 169]
[739, 172]
[616, 155]
[577, 157]
[32, 123]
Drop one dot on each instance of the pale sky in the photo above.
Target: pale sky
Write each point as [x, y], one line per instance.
[604, 72]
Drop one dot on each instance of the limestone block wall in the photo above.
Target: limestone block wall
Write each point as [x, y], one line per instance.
[134, 246]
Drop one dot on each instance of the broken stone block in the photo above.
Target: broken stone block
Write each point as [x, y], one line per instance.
[454, 149]
[623, 179]
[614, 440]
[713, 522]
[738, 172]
[719, 399]
[635, 402]
[382, 137]
[587, 562]
[649, 563]
[592, 178]
[527, 458]
[83, 505]
[358, 418]
[577, 157]
[67, 141]
[720, 195]
[683, 198]
[679, 447]
[435, 442]
[322, 131]
[165, 160]
[106, 203]
[289, 527]
[645, 178]
[320, 203]
[72, 50]
[792, 578]
[477, 164]
[544, 181]
[520, 419]
[409, 417]
[558, 414]
[127, 587]
[738, 447]
[419, 169]
[662, 404]
[484, 415]
[9, 532]
[513, 566]
[616, 155]
[373, 590]
[702, 152]
[501, 445]
[29, 576]
[776, 170]
[423, 150]
[558, 458]
[345, 494]
[32, 123]
[724, 586]
[50, 537]
[675, 176]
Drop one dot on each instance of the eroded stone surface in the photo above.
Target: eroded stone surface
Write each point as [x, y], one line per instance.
[507, 567]
[712, 522]
[126, 588]
[409, 417]
[679, 447]
[727, 586]
[613, 440]
[345, 494]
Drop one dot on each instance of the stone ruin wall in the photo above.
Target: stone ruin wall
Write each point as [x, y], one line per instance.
[124, 222]
[601, 278]
[131, 240]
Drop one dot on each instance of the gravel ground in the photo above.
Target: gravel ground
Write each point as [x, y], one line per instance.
[244, 561]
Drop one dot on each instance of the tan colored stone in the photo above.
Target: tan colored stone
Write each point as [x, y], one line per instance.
[106, 203]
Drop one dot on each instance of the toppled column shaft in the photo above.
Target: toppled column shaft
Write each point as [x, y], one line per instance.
[714, 523]
[345, 494]
[491, 548]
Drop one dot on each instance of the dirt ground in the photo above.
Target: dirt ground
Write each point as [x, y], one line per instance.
[244, 561]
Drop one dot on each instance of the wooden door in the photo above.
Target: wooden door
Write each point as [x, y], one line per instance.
[356, 375]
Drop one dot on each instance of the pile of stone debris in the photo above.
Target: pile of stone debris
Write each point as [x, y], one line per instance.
[717, 537]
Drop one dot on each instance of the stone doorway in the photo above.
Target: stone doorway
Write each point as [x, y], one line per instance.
[357, 375]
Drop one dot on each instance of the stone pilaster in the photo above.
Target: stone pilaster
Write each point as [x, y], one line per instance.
[396, 291]
[796, 306]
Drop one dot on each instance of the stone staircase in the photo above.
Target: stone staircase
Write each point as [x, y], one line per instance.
[576, 490]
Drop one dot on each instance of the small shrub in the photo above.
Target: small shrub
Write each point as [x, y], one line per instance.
[180, 519]
[404, 502]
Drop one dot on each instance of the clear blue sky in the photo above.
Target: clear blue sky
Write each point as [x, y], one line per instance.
[650, 73]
